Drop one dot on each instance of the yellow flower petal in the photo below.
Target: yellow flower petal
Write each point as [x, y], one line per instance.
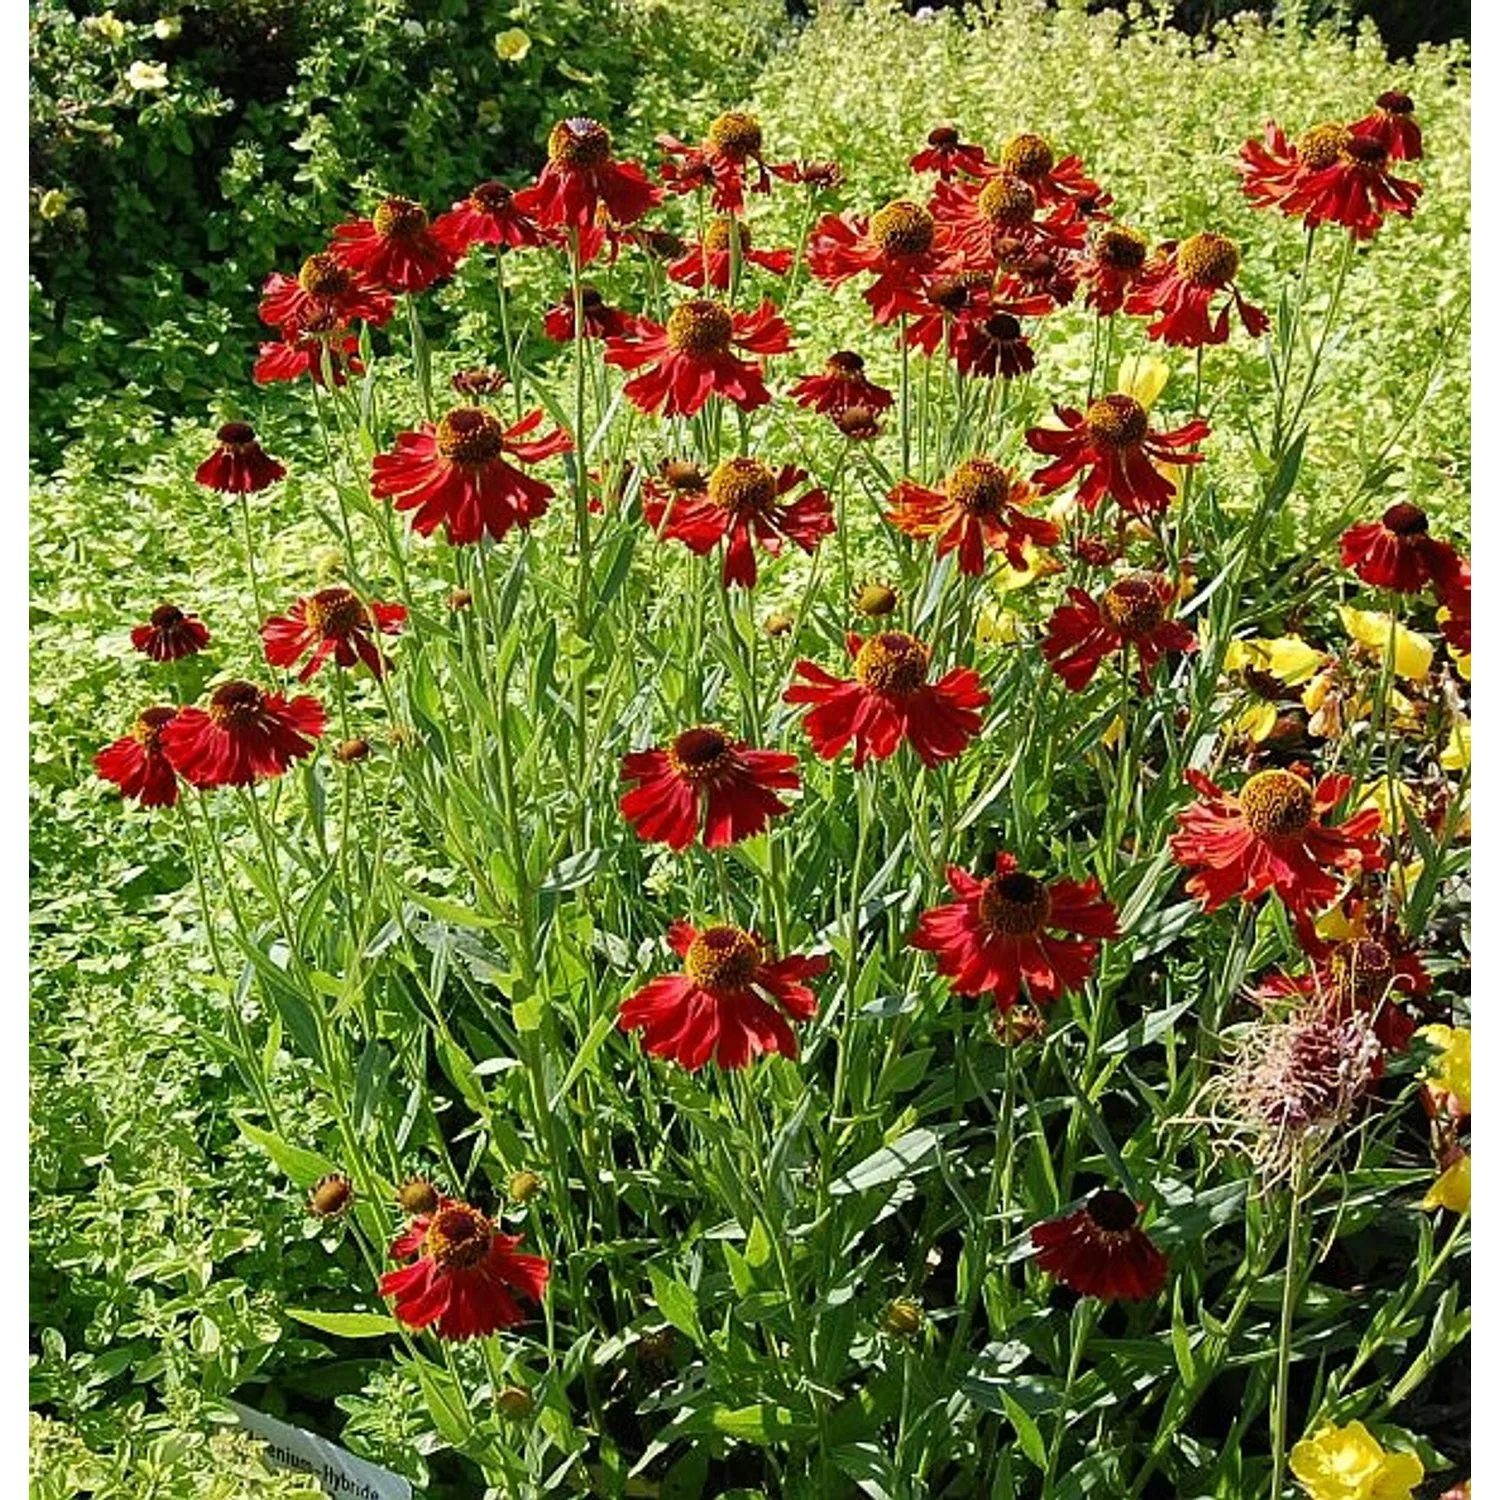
[998, 626]
[1452, 1069]
[1039, 564]
[1373, 630]
[513, 45]
[1288, 658]
[1455, 756]
[1258, 721]
[1144, 377]
[1452, 1189]
[1339, 1463]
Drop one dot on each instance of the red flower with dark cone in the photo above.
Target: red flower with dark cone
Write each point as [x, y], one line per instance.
[896, 245]
[1356, 189]
[323, 289]
[978, 509]
[244, 736]
[961, 314]
[730, 1002]
[693, 357]
[600, 320]
[990, 347]
[169, 634]
[1396, 552]
[889, 700]
[730, 150]
[715, 250]
[394, 248]
[1055, 183]
[488, 216]
[948, 156]
[1113, 446]
[679, 483]
[580, 177]
[455, 475]
[239, 465]
[1271, 168]
[1131, 612]
[977, 218]
[1394, 126]
[466, 1275]
[705, 784]
[137, 764]
[1000, 938]
[820, 176]
[1178, 287]
[742, 504]
[306, 350]
[1271, 836]
[1100, 1251]
[1115, 258]
[841, 385]
[1456, 620]
[333, 622]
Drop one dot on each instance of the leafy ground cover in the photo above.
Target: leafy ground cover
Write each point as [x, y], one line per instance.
[815, 1275]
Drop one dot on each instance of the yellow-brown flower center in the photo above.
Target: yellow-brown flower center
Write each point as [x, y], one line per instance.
[857, 422]
[322, 276]
[1361, 971]
[742, 485]
[1133, 604]
[736, 135]
[458, 1236]
[417, 1196]
[1120, 248]
[400, 218]
[680, 475]
[722, 958]
[1276, 804]
[720, 234]
[892, 663]
[491, 197]
[980, 485]
[1027, 155]
[1117, 421]
[875, 600]
[235, 704]
[1014, 905]
[903, 228]
[1007, 201]
[578, 144]
[699, 754]
[1208, 260]
[148, 727]
[335, 612]
[468, 435]
[330, 1195]
[1322, 145]
[700, 327]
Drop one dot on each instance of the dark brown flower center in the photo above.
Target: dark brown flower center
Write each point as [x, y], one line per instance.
[943, 137]
[1134, 604]
[893, 664]
[680, 475]
[1027, 155]
[980, 485]
[330, 1195]
[166, 617]
[721, 232]
[1117, 421]
[1007, 201]
[1208, 260]
[1405, 520]
[742, 485]
[903, 228]
[491, 197]
[845, 363]
[1002, 328]
[322, 276]
[736, 135]
[699, 754]
[700, 327]
[352, 750]
[591, 297]
[235, 705]
[722, 958]
[1113, 1212]
[1394, 102]
[458, 1236]
[1361, 971]
[478, 381]
[400, 219]
[857, 422]
[578, 144]
[335, 612]
[1365, 151]
[1322, 145]
[148, 728]
[236, 435]
[1120, 248]
[1276, 804]
[470, 436]
[1014, 905]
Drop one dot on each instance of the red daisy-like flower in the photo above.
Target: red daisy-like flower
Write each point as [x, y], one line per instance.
[841, 385]
[239, 465]
[895, 245]
[731, 150]
[1056, 183]
[322, 290]
[742, 503]
[488, 216]
[678, 482]
[961, 314]
[1456, 619]
[1355, 189]
[394, 248]
[1001, 937]
[1113, 446]
[244, 736]
[819, 176]
[1393, 124]
[1004, 209]
[692, 357]
[333, 622]
[306, 349]
[1271, 168]
[1100, 1251]
[977, 509]
[1131, 612]
[715, 251]
[582, 176]
[600, 320]
[169, 634]
[948, 156]
[705, 784]
[730, 1002]
[1178, 287]
[1396, 552]
[455, 475]
[991, 347]
[138, 765]
[1271, 836]
[889, 700]
[1110, 266]
[466, 1274]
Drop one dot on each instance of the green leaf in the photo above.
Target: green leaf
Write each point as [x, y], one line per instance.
[677, 1303]
[1028, 1434]
[346, 1325]
[445, 1403]
[904, 1157]
[303, 1167]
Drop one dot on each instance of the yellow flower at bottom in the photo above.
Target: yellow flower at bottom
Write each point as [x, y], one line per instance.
[1452, 1188]
[998, 627]
[1452, 1069]
[1144, 377]
[1288, 658]
[1346, 1463]
[1371, 629]
[1455, 756]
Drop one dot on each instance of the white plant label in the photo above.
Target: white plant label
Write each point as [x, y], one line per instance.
[342, 1475]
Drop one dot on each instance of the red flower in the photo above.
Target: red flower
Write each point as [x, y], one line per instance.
[305, 350]
[841, 386]
[1132, 611]
[238, 466]
[1394, 126]
[1455, 594]
[1004, 209]
[947, 155]
[889, 700]
[705, 784]
[580, 177]
[600, 321]
[463, 1281]
[995, 939]
[977, 509]
[820, 176]
[896, 244]
[679, 483]
[170, 634]
[1271, 168]
[1099, 1251]
[394, 248]
[720, 1006]
[333, 622]
[1396, 552]
[1178, 287]
[137, 764]
[991, 346]
[692, 357]
[742, 502]
[732, 146]
[715, 250]
[244, 736]
[488, 216]
[455, 474]
[1270, 836]
[1355, 189]
[1115, 258]
[980, 334]
[322, 290]
[1113, 441]
[1055, 183]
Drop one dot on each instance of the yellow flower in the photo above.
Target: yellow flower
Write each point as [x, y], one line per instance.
[1346, 1463]
[997, 626]
[1371, 629]
[513, 45]
[1144, 377]
[167, 28]
[107, 27]
[146, 77]
[1451, 1070]
[53, 204]
[1452, 1188]
[1039, 564]
[1111, 736]
[1288, 658]
[1456, 756]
